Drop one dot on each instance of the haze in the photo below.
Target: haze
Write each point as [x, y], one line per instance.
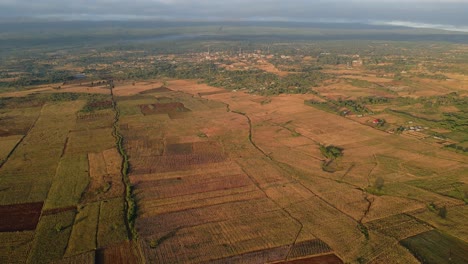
[414, 13]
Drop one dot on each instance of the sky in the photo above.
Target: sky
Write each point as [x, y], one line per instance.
[415, 13]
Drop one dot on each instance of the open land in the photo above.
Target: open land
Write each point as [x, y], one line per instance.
[302, 152]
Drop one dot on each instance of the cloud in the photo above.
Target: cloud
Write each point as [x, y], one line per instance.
[448, 12]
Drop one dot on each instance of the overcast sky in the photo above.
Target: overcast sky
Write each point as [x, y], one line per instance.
[417, 12]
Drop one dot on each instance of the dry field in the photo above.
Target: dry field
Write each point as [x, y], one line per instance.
[282, 160]
[221, 177]
[61, 190]
[7, 144]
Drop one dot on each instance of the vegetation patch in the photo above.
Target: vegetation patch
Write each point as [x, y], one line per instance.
[69, 183]
[111, 225]
[434, 247]
[332, 153]
[83, 235]
[450, 185]
[51, 237]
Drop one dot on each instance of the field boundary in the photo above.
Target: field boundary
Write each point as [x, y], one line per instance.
[2, 162]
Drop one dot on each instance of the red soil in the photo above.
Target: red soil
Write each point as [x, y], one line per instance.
[19, 217]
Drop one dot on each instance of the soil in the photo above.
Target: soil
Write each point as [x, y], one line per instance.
[19, 217]
[119, 254]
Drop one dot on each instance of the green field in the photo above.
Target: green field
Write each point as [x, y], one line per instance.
[434, 247]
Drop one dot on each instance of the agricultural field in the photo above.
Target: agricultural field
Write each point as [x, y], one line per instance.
[305, 152]
[62, 194]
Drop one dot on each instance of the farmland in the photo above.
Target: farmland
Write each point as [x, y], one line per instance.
[298, 152]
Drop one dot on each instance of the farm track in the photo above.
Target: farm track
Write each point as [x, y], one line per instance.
[21, 140]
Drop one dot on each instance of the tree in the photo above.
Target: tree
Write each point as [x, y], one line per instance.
[331, 152]
[443, 212]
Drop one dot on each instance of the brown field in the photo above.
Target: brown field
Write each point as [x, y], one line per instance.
[73, 88]
[345, 90]
[191, 87]
[172, 191]
[309, 248]
[104, 172]
[398, 226]
[123, 253]
[27, 92]
[128, 89]
[324, 259]
[232, 177]
[364, 77]
[262, 256]
[268, 67]
[19, 217]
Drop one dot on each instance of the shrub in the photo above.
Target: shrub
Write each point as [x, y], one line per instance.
[331, 152]
[443, 212]
[379, 183]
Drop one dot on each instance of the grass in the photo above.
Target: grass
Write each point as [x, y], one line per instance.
[90, 140]
[69, 183]
[6, 146]
[132, 107]
[417, 170]
[31, 168]
[111, 226]
[389, 163]
[454, 224]
[83, 235]
[375, 191]
[436, 247]
[15, 246]
[50, 244]
[445, 185]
